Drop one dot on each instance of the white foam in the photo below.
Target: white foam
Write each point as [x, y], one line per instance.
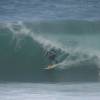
[38, 91]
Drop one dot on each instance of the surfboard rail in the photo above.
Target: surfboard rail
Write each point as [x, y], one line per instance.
[51, 66]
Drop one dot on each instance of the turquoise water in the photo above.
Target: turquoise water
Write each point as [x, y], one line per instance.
[24, 44]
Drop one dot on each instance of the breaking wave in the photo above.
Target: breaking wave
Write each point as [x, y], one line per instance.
[23, 46]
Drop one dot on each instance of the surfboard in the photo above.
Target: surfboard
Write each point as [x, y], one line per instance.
[51, 67]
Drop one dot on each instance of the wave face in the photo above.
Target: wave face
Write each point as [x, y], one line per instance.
[23, 46]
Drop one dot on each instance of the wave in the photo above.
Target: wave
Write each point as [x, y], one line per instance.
[65, 26]
[23, 46]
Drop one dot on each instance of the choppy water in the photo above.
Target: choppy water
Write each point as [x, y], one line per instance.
[49, 9]
[30, 91]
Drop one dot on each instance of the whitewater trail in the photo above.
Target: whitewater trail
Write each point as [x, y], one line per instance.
[22, 31]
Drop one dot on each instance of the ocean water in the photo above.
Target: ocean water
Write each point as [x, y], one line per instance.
[29, 28]
[42, 91]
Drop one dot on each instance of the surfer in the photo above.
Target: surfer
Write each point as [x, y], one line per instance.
[52, 54]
